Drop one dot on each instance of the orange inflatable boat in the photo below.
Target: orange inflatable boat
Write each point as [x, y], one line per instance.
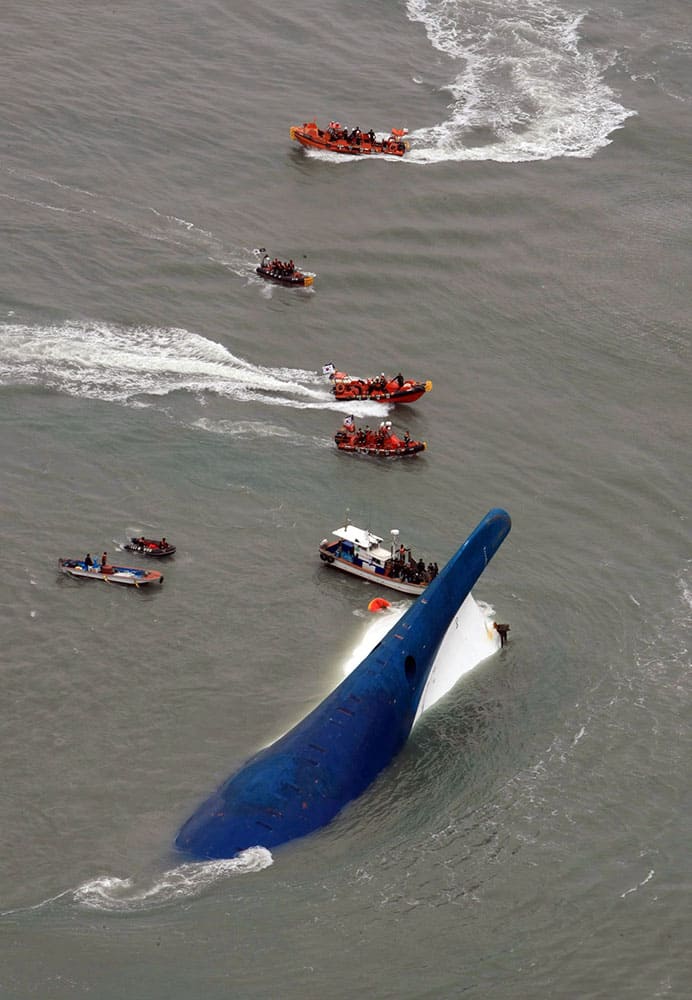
[383, 442]
[382, 390]
[335, 139]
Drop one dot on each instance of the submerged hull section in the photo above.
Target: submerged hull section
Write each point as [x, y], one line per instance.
[300, 782]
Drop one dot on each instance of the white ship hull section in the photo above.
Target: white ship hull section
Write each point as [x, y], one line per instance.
[469, 640]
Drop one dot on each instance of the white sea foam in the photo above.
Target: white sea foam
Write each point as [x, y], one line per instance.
[109, 893]
[128, 364]
[523, 85]
[185, 882]
[524, 82]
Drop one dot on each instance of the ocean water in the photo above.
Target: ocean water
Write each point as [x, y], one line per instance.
[531, 256]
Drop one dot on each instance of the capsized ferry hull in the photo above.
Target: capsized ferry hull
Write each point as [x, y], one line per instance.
[303, 780]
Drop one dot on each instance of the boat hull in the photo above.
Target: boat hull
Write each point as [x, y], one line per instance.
[328, 556]
[401, 451]
[303, 780]
[358, 389]
[127, 576]
[294, 281]
[150, 548]
[318, 139]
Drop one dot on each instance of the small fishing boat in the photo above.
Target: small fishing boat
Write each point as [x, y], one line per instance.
[155, 548]
[359, 552]
[381, 389]
[383, 442]
[127, 575]
[335, 139]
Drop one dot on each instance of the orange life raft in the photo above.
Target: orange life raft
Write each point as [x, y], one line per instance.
[336, 139]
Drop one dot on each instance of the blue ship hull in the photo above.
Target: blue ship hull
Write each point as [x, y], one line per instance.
[300, 782]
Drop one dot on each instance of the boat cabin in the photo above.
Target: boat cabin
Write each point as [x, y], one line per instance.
[360, 546]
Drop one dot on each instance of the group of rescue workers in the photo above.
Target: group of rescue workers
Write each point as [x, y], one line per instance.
[404, 567]
[335, 132]
[366, 437]
[150, 543]
[279, 268]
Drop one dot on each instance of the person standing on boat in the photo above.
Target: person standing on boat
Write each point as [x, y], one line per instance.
[104, 560]
[266, 261]
[88, 561]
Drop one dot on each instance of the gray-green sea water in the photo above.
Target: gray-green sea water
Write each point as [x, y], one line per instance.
[530, 256]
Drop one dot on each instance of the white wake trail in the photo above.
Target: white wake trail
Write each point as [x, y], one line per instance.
[525, 87]
[130, 365]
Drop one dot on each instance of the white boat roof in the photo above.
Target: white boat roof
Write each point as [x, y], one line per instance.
[359, 536]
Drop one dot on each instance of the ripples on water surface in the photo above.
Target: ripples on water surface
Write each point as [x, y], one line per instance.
[534, 263]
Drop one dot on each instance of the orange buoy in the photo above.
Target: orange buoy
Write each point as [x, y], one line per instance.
[378, 604]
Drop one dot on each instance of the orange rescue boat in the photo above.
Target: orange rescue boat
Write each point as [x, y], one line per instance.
[382, 390]
[335, 139]
[383, 442]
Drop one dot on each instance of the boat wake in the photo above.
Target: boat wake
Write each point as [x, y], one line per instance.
[144, 221]
[524, 90]
[138, 365]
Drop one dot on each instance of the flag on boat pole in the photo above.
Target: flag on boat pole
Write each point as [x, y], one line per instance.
[328, 369]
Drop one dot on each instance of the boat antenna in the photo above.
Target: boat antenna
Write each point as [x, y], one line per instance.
[347, 519]
[394, 532]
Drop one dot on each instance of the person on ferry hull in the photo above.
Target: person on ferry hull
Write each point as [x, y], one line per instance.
[502, 631]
